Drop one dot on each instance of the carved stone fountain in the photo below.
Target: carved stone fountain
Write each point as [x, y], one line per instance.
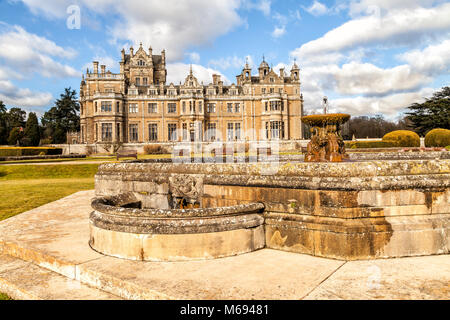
[326, 141]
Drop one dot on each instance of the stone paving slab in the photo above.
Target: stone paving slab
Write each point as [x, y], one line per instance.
[25, 281]
[55, 237]
[408, 278]
[263, 274]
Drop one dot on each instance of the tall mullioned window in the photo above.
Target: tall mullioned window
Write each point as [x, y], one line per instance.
[230, 131]
[211, 108]
[172, 131]
[152, 108]
[233, 131]
[133, 132]
[185, 132]
[211, 132]
[133, 108]
[237, 107]
[106, 131]
[229, 107]
[153, 132]
[171, 108]
[276, 130]
[106, 106]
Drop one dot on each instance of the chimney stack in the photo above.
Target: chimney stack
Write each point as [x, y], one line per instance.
[103, 68]
[131, 51]
[216, 79]
[95, 67]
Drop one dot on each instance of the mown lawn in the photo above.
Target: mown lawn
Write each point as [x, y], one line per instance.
[24, 187]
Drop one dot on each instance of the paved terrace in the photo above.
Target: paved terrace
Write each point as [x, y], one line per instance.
[44, 254]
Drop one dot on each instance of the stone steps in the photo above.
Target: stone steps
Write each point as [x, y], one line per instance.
[76, 275]
[23, 280]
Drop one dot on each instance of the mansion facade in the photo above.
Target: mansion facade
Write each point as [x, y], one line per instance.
[138, 106]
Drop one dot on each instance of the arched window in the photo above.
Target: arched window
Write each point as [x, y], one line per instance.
[141, 63]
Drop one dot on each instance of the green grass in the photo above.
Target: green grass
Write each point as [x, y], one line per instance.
[18, 196]
[4, 297]
[24, 187]
[30, 172]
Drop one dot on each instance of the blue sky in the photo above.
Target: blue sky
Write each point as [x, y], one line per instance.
[368, 56]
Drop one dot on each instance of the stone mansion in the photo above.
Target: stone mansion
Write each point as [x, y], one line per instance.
[138, 106]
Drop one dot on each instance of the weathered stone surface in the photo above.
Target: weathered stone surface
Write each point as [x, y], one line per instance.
[337, 210]
[263, 274]
[405, 279]
[176, 247]
[25, 281]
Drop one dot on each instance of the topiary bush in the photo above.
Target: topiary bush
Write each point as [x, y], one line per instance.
[154, 149]
[402, 138]
[437, 138]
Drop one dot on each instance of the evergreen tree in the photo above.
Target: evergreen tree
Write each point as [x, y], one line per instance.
[15, 137]
[431, 114]
[31, 134]
[3, 125]
[16, 118]
[63, 117]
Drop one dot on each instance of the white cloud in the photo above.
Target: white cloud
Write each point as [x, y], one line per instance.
[317, 9]
[194, 57]
[335, 64]
[174, 25]
[28, 53]
[390, 105]
[367, 79]
[433, 60]
[262, 5]
[278, 31]
[399, 26]
[177, 72]
[14, 96]
[231, 62]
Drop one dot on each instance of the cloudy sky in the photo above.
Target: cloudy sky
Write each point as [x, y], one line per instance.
[368, 56]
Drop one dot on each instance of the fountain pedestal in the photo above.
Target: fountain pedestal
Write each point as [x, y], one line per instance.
[326, 141]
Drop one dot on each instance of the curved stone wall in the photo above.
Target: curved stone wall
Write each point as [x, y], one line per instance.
[173, 234]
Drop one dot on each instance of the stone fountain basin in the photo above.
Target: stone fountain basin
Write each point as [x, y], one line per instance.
[120, 228]
[348, 210]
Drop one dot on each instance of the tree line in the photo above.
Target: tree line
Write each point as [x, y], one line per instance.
[18, 129]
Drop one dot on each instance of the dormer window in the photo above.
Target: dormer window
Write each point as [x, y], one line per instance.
[141, 63]
[272, 80]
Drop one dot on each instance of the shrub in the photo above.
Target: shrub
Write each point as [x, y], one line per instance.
[448, 148]
[45, 141]
[402, 138]
[18, 151]
[154, 149]
[369, 144]
[437, 138]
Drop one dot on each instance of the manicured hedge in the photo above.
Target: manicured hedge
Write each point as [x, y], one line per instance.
[28, 151]
[369, 144]
[403, 138]
[437, 138]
